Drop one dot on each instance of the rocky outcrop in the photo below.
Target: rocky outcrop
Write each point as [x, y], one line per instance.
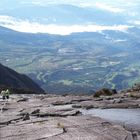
[36, 117]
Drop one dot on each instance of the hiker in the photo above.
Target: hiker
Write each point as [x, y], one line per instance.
[7, 93]
[3, 94]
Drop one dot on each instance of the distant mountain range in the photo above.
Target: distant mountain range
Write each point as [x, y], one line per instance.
[64, 14]
[75, 63]
[72, 12]
[11, 78]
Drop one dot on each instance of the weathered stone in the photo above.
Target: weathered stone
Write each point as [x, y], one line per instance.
[5, 120]
[35, 112]
[118, 100]
[58, 113]
[38, 119]
[22, 100]
[26, 117]
[88, 106]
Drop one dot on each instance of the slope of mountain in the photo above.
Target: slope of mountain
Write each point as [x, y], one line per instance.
[79, 62]
[11, 78]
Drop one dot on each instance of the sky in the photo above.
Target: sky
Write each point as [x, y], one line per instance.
[128, 9]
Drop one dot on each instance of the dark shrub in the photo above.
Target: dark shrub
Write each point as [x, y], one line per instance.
[105, 92]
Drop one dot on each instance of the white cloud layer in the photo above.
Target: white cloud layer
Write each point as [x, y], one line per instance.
[136, 22]
[109, 8]
[88, 3]
[33, 27]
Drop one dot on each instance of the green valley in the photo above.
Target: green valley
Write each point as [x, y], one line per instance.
[76, 63]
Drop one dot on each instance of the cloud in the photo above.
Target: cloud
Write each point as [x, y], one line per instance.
[8, 20]
[120, 40]
[34, 27]
[88, 3]
[109, 8]
[135, 22]
[31, 2]
[43, 2]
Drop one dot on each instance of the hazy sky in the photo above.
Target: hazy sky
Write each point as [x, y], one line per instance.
[127, 8]
[116, 3]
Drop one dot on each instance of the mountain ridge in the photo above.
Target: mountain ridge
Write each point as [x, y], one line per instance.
[11, 78]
